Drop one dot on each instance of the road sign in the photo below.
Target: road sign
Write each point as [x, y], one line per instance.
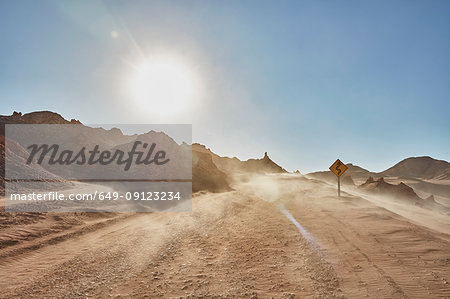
[338, 168]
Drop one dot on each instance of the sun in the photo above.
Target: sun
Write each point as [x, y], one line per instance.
[163, 86]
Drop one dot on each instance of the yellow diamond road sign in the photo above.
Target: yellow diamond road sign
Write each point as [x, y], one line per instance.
[338, 168]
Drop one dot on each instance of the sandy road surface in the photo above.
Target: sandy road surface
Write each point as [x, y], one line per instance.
[281, 237]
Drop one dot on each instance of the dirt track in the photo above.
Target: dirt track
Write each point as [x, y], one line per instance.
[290, 238]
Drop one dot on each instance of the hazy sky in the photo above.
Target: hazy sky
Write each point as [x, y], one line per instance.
[307, 81]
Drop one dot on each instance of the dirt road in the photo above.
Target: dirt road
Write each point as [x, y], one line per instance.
[284, 237]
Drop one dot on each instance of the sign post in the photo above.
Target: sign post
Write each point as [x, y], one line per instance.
[339, 186]
[338, 168]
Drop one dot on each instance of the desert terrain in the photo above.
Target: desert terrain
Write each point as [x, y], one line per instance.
[255, 231]
[182, 149]
[278, 235]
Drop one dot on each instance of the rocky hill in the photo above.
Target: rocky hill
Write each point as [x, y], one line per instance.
[380, 186]
[402, 192]
[234, 165]
[424, 168]
[38, 117]
[206, 175]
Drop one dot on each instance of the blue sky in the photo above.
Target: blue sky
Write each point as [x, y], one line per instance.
[306, 81]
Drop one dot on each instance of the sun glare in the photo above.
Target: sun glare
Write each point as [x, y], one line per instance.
[163, 86]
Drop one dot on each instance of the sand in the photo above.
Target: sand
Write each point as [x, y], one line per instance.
[280, 236]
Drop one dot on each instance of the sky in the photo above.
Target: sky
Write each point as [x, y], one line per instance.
[367, 82]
